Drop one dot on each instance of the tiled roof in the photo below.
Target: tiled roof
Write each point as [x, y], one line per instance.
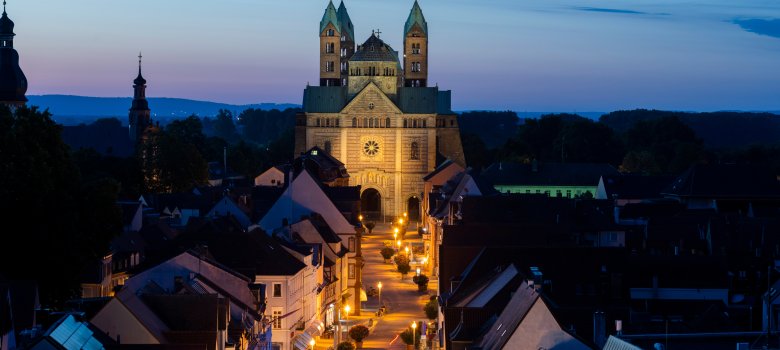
[725, 181]
[635, 186]
[324, 99]
[416, 17]
[375, 50]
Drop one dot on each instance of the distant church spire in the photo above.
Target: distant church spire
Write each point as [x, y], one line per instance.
[13, 83]
[140, 115]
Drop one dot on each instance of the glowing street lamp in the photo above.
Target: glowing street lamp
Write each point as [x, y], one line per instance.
[407, 250]
[414, 333]
[311, 343]
[347, 308]
[404, 214]
[360, 218]
[401, 221]
[395, 233]
[398, 245]
[418, 272]
[379, 286]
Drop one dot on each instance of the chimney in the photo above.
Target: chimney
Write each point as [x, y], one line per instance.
[538, 278]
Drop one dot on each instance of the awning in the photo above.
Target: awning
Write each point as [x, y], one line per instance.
[301, 342]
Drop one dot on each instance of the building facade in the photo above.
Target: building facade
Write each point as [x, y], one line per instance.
[377, 115]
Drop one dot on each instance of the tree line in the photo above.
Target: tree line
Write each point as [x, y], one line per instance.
[641, 141]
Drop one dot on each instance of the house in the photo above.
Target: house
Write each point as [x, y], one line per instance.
[303, 197]
[553, 179]
[630, 188]
[320, 163]
[227, 207]
[727, 188]
[188, 299]
[132, 215]
[274, 176]
[334, 279]
[19, 301]
[438, 178]
[527, 323]
[70, 333]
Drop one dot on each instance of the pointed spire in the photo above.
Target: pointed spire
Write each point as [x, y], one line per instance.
[330, 16]
[345, 23]
[416, 17]
[140, 79]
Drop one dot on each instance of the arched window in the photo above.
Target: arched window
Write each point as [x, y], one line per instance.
[387, 122]
[354, 122]
[406, 123]
[327, 122]
[424, 122]
[336, 122]
[415, 151]
[328, 147]
[318, 121]
[376, 122]
[370, 123]
[331, 32]
[414, 123]
[365, 122]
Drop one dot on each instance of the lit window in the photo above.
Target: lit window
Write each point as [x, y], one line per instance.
[277, 290]
[277, 319]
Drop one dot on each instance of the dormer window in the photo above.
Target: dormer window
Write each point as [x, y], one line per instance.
[330, 32]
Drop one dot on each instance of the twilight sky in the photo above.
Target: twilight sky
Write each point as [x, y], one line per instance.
[524, 55]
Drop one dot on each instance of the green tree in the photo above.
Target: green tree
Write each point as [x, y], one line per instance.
[663, 145]
[387, 253]
[431, 308]
[224, 127]
[402, 264]
[62, 223]
[170, 165]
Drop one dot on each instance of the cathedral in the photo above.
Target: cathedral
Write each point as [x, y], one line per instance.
[375, 113]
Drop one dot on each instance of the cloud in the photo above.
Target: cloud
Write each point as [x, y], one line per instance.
[620, 11]
[760, 26]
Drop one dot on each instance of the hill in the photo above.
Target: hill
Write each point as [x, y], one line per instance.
[74, 110]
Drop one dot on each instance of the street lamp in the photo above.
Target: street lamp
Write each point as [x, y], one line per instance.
[404, 214]
[360, 218]
[346, 319]
[407, 250]
[398, 245]
[395, 233]
[311, 342]
[418, 272]
[379, 286]
[414, 333]
[401, 221]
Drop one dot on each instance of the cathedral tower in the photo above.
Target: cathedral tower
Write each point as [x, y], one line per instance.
[337, 44]
[416, 49]
[13, 83]
[140, 115]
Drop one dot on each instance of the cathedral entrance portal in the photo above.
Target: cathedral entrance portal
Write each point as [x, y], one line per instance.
[371, 204]
[413, 208]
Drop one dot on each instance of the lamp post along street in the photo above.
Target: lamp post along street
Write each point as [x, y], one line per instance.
[311, 343]
[414, 333]
[379, 286]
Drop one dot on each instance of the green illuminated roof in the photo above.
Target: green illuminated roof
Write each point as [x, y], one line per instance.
[416, 17]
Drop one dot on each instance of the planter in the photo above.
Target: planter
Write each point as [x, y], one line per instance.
[409, 347]
[359, 344]
[422, 288]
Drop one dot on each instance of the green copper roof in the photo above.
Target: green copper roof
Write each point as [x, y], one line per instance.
[416, 17]
[345, 22]
[330, 16]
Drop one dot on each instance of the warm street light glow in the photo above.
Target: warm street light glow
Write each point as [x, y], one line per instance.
[401, 221]
[404, 214]
[418, 271]
[360, 217]
[407, 250]
[414, 332]
[347, 308]
[414, 325]
[398, 242]
[379, 285]
[311, 342]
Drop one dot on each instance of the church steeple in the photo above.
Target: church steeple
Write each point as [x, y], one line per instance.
[13, 83]
[337, 44]
[140, 115]
[416, 48]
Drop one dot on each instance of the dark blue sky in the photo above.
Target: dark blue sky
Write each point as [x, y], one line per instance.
[524, 55]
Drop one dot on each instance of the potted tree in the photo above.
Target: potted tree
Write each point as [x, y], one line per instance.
[422, 282]
[345, 345]
[370, 226]
[358, 333]
[387, 253]
[402, 264]
[431, 308]
[408, 338]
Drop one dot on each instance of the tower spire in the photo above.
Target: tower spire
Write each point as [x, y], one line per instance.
[139, 62]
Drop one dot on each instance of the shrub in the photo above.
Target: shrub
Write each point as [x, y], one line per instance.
[402, 264]
[370, 226]
[387, 253]
[345, 345]
[431, 309]
[407, 337]
[358, 332]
